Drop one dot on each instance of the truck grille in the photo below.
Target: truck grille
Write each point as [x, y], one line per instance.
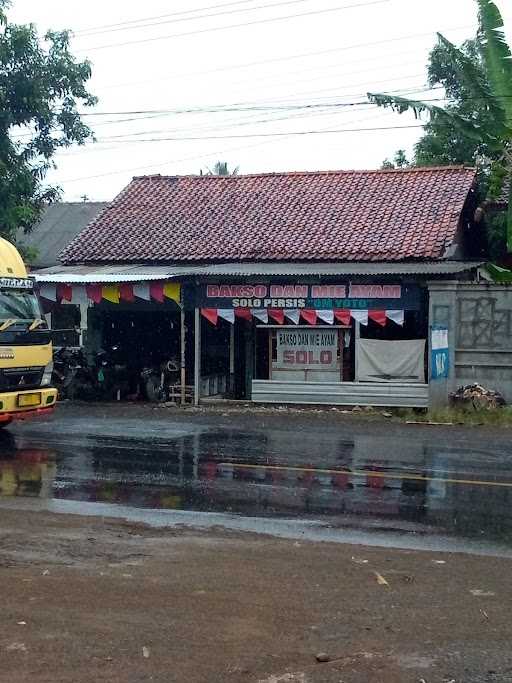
[20, 378]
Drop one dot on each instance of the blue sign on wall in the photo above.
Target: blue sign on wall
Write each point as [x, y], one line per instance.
[440, 358]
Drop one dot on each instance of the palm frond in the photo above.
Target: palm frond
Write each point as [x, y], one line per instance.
[497, 56]
[402, 104]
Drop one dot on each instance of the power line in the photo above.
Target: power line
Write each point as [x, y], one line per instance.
[239, 25]
[267, 135]
[194, 18]
[163, 16]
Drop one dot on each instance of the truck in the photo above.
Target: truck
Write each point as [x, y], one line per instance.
[25, 344]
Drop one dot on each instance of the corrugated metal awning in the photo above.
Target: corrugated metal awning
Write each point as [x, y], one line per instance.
[143, 273]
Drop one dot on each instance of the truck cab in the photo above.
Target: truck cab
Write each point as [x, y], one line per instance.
[25, 344]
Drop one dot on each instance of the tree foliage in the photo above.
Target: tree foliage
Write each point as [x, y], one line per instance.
[41, 87]
[475, 126]
[222, 168]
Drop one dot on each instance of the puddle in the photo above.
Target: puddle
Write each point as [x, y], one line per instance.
[346, 483]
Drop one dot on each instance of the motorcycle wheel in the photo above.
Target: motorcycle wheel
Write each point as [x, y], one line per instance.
[154, 391]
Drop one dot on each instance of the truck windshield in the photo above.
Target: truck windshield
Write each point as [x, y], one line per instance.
[18, 310]
[19, 306]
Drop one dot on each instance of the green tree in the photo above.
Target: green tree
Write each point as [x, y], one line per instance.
[41, 87]
[399, 160]
[222, 168]
[476, 124]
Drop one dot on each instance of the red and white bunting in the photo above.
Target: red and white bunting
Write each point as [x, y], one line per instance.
[396, 316]
[277, 314]
[141, 291]
[243, 313]
[210, 314]
[325, 316]
[293, 314]
[378, 317]
[48, 292]
[360, 317]
[309, 316]
[260, 314]
[342, 316]
[227, 314]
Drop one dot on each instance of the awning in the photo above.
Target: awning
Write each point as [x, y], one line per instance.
[143, 273]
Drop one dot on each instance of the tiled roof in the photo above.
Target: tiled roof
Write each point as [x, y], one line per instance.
[385, 215]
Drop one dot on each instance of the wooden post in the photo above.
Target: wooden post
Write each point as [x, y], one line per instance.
[270, 335]
[183, 357]
[232, 360]
[197, 355]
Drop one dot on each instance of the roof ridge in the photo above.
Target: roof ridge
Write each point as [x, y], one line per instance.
[267, 174]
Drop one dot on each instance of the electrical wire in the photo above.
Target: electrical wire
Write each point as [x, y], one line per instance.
[239, 25]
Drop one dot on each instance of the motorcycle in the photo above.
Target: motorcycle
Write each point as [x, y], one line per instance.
[159, 382]
[71, 374]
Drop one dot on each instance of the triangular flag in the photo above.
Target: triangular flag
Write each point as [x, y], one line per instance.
[293, 314]
[210, 314]
[378, 317]
[326, 316]
[309, 316]
[64, 292]
[243, 313]
[342, 316]
[172, 290]
[276, 314]
[141, 291]
[360, 316]
[260, 314]
[157, 291]
[126, 292]
[110, 293]
[48, 292]
[396, 316]
[227, 314]
[94, 293]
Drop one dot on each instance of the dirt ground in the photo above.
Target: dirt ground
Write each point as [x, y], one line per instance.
[91, 599]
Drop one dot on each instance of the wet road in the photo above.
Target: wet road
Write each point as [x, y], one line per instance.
[400, 485]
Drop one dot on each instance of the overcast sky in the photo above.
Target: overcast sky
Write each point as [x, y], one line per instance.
[172, 57]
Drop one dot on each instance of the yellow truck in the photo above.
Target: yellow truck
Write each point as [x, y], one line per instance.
[25, 344]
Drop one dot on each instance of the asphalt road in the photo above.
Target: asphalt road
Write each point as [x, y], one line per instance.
[320, 474]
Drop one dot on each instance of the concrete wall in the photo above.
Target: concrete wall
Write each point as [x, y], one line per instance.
[479, 321]
[484, 336]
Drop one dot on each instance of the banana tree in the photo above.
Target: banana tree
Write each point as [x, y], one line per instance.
[495, 90]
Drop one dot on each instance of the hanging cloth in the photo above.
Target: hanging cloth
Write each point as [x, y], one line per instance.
[227, 314]
[243, 313]
[94, 293]
[110, 293]
[141, 291]
[48, 292]
[157, 291]
[64, 292]
[293, 315]
[277, 314]
[342, 316]
[210, 314]
[378, 317]
[396, 316]
[360, 316]
[260, 314]
[309, 316]
[325, 316]
[172, 290]
[126, 292]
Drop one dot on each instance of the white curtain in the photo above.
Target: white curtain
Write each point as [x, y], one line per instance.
[390, 361]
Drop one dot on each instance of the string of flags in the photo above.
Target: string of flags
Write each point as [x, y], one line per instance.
[115, 294]
[310, 316]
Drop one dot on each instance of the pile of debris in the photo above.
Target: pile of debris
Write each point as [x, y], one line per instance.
[477, 396]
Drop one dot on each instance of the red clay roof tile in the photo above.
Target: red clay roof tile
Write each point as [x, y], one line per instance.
[323, 216]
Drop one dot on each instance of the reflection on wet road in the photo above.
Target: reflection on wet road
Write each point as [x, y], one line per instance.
[418, 486]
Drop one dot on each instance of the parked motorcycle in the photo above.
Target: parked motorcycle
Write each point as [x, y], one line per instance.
[159, 382]
[71, 374]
